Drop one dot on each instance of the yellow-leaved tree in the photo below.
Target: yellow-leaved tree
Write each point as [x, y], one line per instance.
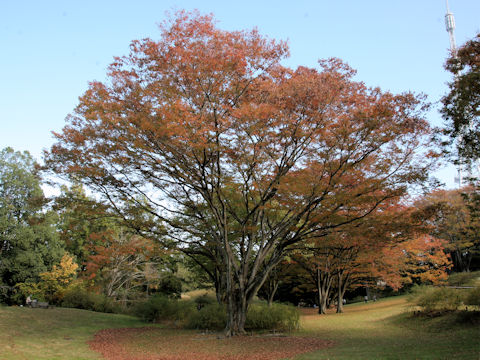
[54, 282]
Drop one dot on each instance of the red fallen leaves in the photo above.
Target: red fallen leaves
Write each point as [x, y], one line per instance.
[162, 344]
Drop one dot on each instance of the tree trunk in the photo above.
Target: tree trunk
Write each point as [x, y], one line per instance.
[469, 261]
[322, 308]
[218, 294]
[236, 301]
[340, 303]
[323, 288]
[237, 315]
[339, 293]
[273, 290]
[240, 290]
[461, 262]
[237, 305]
[220, 287]
[458, 263]
[342, 286]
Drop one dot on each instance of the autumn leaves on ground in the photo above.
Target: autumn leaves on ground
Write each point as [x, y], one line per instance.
[385, 329]
[155, 343]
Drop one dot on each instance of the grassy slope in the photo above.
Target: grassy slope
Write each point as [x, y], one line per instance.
[384, 330]
[53, 333]
[381, 330]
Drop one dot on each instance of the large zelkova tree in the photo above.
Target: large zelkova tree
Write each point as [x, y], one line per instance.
[29, 244]
[207, 125]
[461, 106]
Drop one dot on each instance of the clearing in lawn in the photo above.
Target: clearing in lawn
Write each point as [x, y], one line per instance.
[380, 330]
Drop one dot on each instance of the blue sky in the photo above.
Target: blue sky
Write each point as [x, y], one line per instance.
[52, 49]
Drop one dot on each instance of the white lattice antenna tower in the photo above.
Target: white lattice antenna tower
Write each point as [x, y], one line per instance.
[450, 26]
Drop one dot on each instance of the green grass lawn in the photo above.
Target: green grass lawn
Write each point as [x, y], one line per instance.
[386, 330]
[380, 330]
[57, 333]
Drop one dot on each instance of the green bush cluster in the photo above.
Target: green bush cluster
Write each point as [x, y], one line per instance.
[473, 297]
[260, 316]
[160, 307]
[463, 278]
[80, 298]
[170, 285]
[212, 316]
[204, 299]
[277, 317]
[440, 299]
[205, 313]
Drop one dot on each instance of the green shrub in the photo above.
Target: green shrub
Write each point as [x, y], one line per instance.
[211, 316]
[473, 296]
[76, 296]
[160, 307]
[463, 278]
[170, 285]
[431, 299]
[204, 299]
[277, 317]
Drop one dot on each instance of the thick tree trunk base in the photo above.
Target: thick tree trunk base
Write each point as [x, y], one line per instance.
[232, 333]
[322, 309]
[237, 317]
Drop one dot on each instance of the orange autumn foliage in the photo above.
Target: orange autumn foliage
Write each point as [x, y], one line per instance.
[418, 260]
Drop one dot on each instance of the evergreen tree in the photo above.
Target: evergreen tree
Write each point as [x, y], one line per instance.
[29, 244]
[461, 106]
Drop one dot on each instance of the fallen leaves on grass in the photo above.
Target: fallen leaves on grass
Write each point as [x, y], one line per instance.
[167, 344]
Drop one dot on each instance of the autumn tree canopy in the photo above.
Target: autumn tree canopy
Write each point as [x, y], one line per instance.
[207, 125]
